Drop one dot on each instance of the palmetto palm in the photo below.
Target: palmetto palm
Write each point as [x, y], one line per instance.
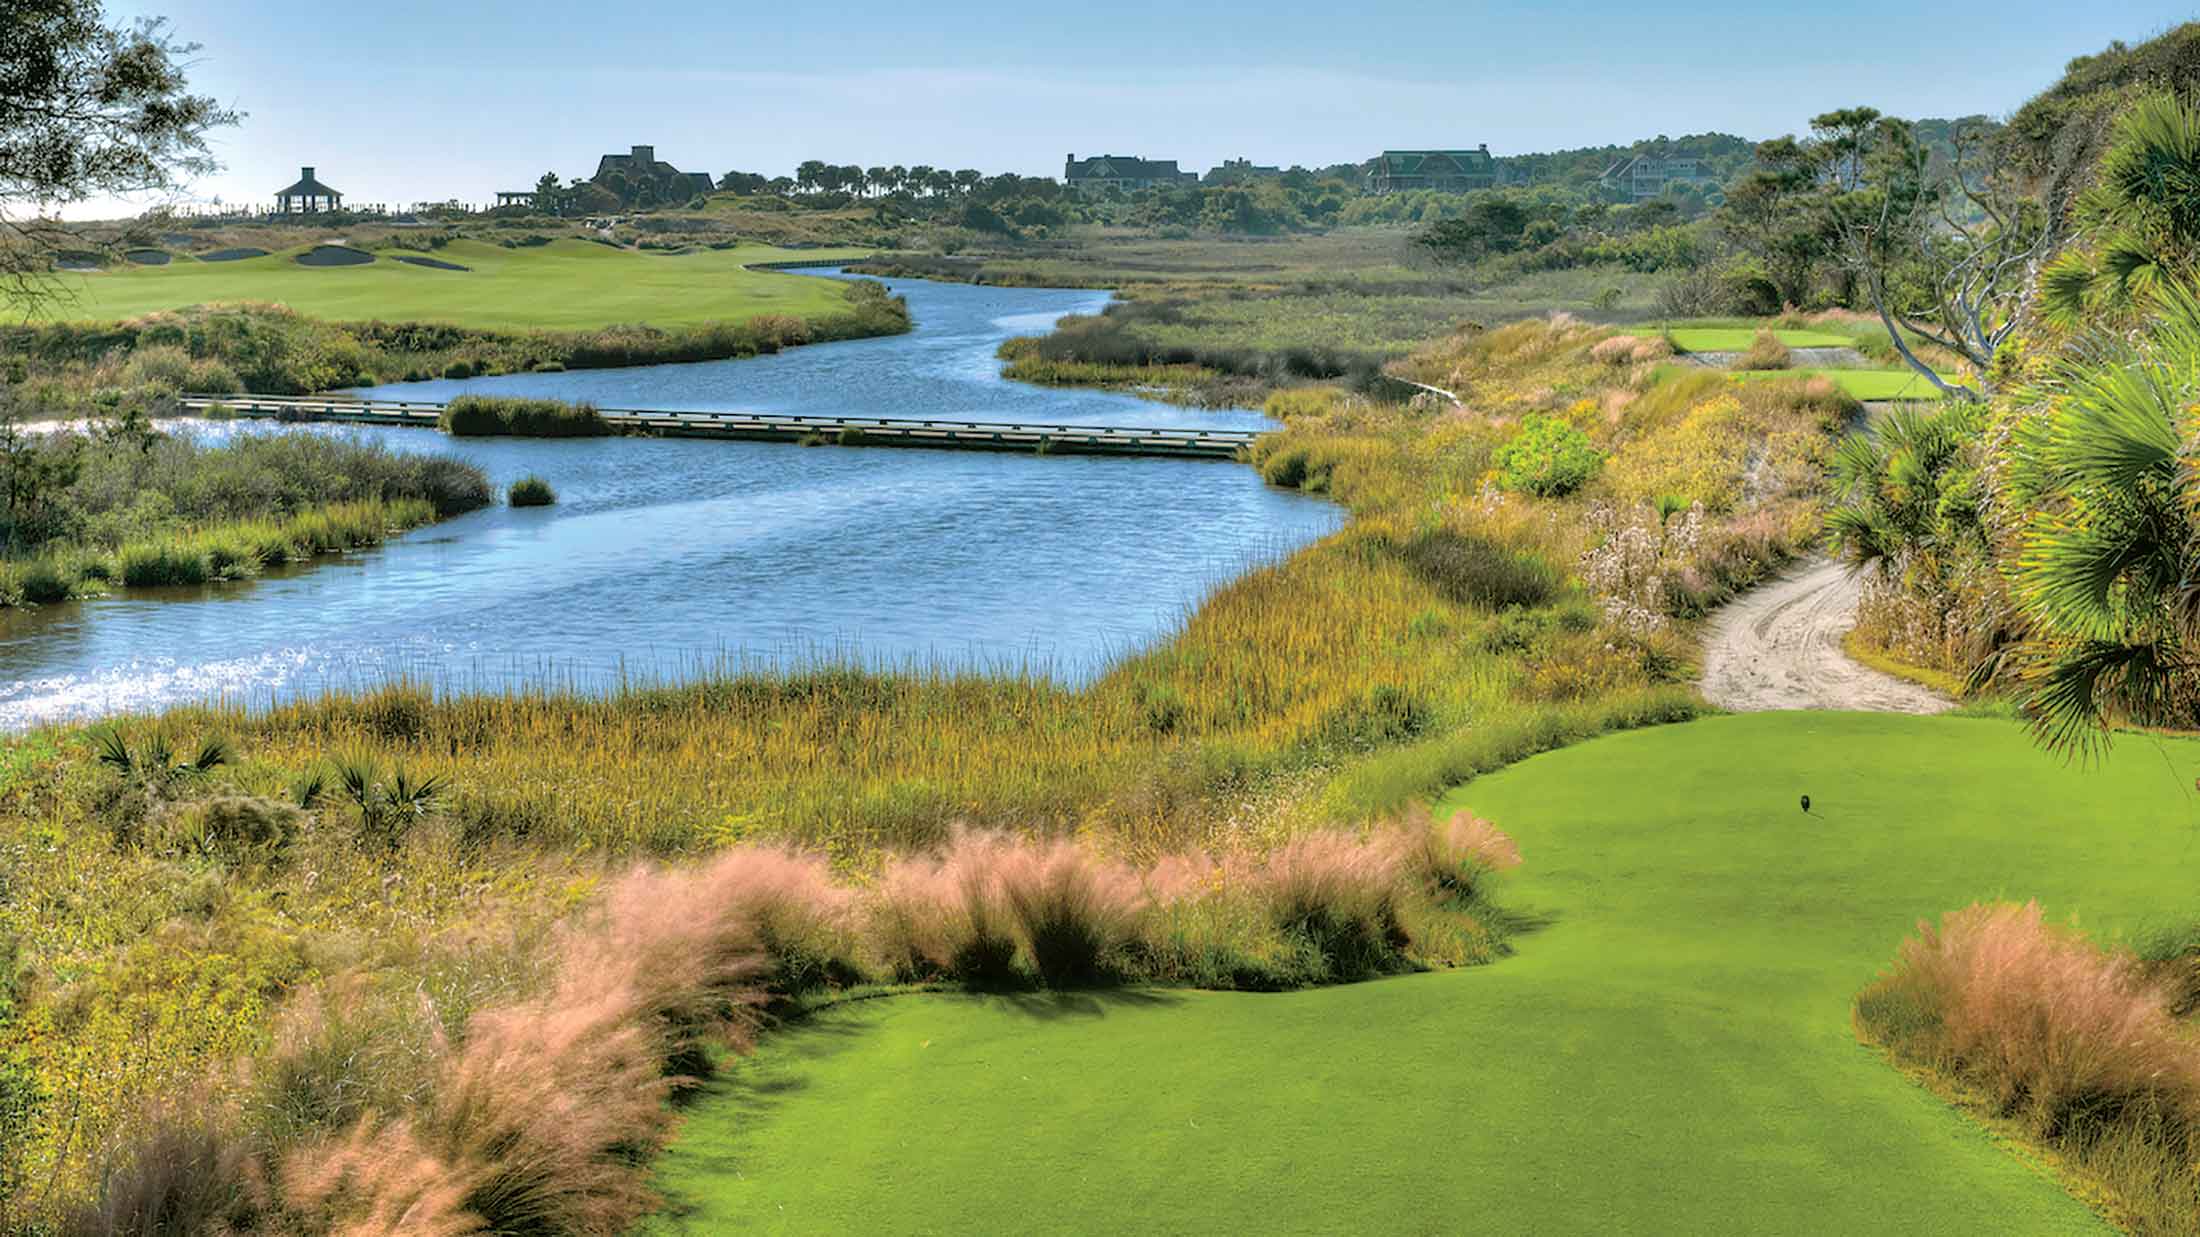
[2109, 565]
[2142, 216]
[1897, 485]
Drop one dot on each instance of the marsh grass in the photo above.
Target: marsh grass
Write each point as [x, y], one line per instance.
[509, 416]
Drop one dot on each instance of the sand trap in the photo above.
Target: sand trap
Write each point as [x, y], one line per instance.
[148, 257]
[232, 255]
[436, 263]
[334, 255]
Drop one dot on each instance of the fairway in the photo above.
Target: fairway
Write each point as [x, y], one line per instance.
[1738, 339]
[1865, 384]
[1671, 1052]
[565, 285]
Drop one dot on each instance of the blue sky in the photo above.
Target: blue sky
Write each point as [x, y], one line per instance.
[403, 100]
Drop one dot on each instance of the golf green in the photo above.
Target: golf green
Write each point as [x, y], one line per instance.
[1738, 339]
[564, 285]
[1670, 1052]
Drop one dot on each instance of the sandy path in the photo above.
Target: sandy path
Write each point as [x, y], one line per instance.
[1779, 647]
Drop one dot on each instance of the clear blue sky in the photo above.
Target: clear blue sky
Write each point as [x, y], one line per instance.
[401, 100]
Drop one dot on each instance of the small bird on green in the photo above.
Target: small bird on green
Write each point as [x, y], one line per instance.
[1806, 803]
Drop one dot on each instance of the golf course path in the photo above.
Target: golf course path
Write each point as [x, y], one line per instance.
[1779, 647]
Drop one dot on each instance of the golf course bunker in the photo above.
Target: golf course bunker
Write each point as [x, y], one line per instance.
[435, 263]
[148, 257]
[334, 255]
[232, 255]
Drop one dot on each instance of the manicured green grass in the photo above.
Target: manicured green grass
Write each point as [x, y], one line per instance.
[1864, 384]
[565, 285]
[1671, 1053]
[1737, 339]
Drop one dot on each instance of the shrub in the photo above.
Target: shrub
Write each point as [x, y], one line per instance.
[234, 830]
[1547, 457]
[1075, 912]
[531, 491]
[524, 418]
[1766, 352]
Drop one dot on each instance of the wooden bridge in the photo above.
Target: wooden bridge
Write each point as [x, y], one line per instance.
[775, 427]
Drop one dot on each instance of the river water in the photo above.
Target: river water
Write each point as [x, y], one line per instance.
[667, 558]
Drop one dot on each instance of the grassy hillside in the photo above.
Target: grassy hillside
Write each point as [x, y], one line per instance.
[565, 285]
[1672, 1047]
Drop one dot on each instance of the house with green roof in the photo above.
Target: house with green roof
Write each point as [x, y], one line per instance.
[1446, 171]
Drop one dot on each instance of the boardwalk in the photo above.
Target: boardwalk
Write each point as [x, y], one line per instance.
[773, 427]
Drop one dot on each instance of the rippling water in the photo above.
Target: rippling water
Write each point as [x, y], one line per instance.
[669, 557]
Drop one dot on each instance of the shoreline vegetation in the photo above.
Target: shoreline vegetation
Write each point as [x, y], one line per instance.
[120, 505]
[1512, 579]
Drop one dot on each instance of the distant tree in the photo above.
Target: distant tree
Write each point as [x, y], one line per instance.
[811, 175]
[968, 179]
[743, 182]
[879, 179]
[897, 178]
[1775, 215]
[919, 179]
[1844, 139]
[1946, 250]
[87, 109]
[550, 194]
[782, 185]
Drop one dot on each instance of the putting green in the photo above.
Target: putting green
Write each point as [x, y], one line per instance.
[1671, 1053]
[1738, 339]
[565, 285]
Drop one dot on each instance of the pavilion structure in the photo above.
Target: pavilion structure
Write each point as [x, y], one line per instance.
[308, 197]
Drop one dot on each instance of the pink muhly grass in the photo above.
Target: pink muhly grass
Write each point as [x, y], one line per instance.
[1341, 894]
[374, 1180]
[2060, 1032]
[1075, 911]
[1453, 855]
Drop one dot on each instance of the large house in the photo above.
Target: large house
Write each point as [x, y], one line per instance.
[1238, 171]
[1448, 171]
[1128, 173]
[1639, 178]
[643, 164]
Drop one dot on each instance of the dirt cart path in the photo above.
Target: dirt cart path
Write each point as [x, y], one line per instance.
[1779, 647]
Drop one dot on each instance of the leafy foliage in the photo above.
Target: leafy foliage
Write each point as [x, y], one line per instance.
[1547, 457]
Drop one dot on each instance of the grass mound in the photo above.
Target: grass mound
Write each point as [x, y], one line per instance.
[502, 416]
[531, 491]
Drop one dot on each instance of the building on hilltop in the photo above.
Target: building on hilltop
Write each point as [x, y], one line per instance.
[307, 197]
[641, 165]
[1638, 178]
[1128, 173]
[1234, 171]
[1446, 171]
